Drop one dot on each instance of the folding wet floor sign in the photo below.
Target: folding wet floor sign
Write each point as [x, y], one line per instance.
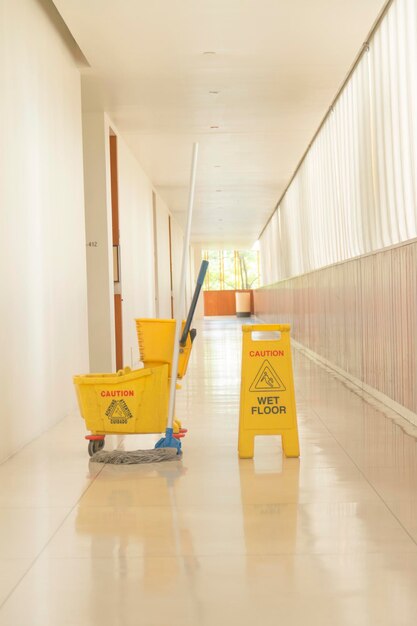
[267, 401]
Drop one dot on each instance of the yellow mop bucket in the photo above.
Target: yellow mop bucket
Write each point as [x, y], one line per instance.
[127, 402]
[156, 343]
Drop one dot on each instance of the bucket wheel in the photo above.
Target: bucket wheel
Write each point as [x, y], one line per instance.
[95, 443]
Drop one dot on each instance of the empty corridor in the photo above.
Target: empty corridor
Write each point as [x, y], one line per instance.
[327, 539]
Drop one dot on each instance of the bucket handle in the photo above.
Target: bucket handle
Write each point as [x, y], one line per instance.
[128, 370]
[282, 328]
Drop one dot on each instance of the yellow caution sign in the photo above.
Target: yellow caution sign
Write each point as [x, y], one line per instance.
[267, 401]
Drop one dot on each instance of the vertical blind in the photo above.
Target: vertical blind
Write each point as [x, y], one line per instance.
[356, 189]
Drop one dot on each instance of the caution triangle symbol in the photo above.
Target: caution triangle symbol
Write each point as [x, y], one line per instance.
[267, 379]
[118, 412]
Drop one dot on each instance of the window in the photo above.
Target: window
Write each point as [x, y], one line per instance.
[232, 269]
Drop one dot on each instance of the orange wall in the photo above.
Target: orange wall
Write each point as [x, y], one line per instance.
[223, 302]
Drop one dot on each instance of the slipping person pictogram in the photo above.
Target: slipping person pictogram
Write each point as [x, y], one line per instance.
[267, 379]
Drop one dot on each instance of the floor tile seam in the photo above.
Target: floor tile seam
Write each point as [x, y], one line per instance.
[329, 500]
[13, 558]
[236, 555]
[44, 547]
[40, 507]
[364, 476]
[228, 506]
[396, 550]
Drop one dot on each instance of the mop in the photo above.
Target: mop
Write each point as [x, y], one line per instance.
[168, 448]
[169, 441]
[123, 457]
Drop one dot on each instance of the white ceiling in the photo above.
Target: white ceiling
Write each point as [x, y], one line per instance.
[277, 66]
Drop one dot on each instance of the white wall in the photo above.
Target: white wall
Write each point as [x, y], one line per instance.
[163, 259]
[98, 226]
[136, 246]
[43, 311]
[137, 238]
[177, 242]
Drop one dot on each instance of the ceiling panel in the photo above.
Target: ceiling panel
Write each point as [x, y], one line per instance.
[250, 80]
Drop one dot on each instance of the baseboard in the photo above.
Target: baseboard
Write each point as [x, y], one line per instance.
[397, 412]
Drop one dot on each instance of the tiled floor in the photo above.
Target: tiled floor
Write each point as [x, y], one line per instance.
[326, 540]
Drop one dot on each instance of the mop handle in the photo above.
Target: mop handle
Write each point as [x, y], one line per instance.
[181, 293]
[200, 281]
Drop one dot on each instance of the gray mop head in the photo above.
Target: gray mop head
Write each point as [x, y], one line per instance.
[119, 457]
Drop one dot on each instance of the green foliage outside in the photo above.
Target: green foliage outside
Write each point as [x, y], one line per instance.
[232, 269]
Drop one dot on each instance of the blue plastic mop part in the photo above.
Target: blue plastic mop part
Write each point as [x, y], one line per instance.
[169, 441]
